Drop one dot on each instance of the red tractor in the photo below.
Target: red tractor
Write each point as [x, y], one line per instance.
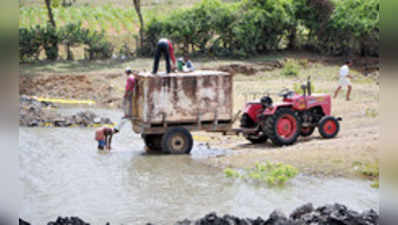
[297, 115]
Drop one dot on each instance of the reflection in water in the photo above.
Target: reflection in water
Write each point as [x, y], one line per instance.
[64, 175]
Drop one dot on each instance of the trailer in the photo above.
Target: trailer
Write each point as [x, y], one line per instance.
[166, 108]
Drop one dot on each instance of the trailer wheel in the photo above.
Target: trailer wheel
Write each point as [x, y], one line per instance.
[177, 140]
[153, 141]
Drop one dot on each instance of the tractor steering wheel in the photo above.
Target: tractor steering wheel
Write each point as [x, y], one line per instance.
[285, 92]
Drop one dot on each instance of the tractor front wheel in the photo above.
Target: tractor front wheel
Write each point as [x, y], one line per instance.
[177, 140]
[283, 127]
[328, 127]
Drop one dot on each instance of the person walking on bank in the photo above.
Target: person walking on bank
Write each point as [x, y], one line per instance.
[345, 80]
[164, 47]
[127, 97]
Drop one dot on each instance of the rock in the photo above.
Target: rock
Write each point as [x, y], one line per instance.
[277, 217]
[33, 113]
[336, 214]
[22, 222]
[299, 212]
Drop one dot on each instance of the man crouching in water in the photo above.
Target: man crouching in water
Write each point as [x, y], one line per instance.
[104, 137]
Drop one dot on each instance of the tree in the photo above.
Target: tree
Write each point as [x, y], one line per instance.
[137, 6]
[50, 12]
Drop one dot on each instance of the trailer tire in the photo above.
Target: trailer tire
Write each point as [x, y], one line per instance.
[177, 140]
[153, 142]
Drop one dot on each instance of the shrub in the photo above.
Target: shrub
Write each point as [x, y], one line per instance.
[231, 173]
[29, 44]
[72, 35]
[98, 47]
[290, 68]
[270, 173]
[49, 39]
[234, 29]
[33, 40]
[353, 28]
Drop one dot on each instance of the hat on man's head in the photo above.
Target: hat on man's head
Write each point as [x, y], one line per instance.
[128, 70]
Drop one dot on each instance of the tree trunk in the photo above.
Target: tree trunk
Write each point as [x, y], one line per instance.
[137, 6]
[292, 39]
[50, 13]
[69, 52]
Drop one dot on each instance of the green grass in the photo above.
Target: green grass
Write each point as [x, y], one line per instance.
[369, 170]
[270, 173]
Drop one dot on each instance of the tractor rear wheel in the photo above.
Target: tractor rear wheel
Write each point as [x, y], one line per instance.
[152, 141]
[283, 127]
[307, 131]
[328, 127]
[177, 140]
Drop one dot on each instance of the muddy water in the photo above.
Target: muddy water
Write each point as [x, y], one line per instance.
[64, 175]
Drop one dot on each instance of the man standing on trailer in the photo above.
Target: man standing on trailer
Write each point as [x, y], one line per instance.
[164, 47]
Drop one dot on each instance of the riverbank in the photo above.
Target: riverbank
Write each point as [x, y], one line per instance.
[306, 214]
[356, 144]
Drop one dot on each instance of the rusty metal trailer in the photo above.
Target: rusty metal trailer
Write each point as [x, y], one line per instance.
[167, 107]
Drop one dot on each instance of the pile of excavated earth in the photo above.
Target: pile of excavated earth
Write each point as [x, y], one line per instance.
[34, 113]
[305, 215]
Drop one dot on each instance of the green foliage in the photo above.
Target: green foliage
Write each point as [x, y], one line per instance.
[50, 40]
[290, 68]
[33, 40]
[375, 184]
[231, 173]
[270, 173]
[370, 170]
[98, 47]
[29, 44]
[72, 35]
[235, 29]
[341, 27]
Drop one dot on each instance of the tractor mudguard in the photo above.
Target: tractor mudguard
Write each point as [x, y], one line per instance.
[253, 109]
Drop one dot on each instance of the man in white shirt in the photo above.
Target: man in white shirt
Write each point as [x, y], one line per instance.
[345, 79]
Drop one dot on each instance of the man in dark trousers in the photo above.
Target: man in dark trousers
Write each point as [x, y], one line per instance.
[164, 47]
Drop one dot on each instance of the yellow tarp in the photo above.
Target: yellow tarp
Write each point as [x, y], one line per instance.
[64, 101]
